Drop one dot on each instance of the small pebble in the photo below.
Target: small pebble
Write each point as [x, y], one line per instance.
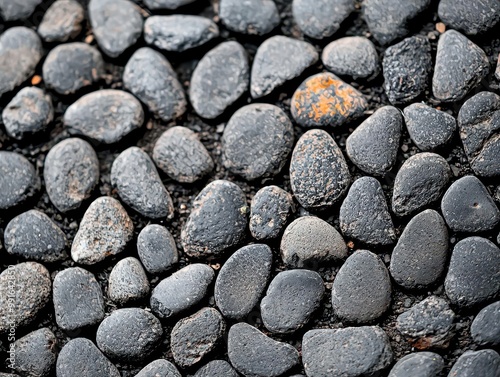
[36, 354]
[127, 281]
[484, 363]
[250, 16]
[166, 4]
[472, 18]
[216, 368]
[62, 21]
[418, 364]
[485, 330]
[160, 367]
[17, 10]
[18, 179]
[157, 249]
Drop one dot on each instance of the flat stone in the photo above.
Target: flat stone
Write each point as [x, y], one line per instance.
[249, 17]
[104, 231]
[17, 10]
[36, 353]
[166, 4]
[484, 363]
[324, 100]
[219, 79]
[18, 179]
[62, 21]
[242, 280]
[472, 18]
[485, 330]
[127, 281]
[151, 78]
[71, 172]
[160, 367]
[268, 71]
[216, 368]
[257, 141]
[422, 364]
[157, 249]
[364, 214]
[460, 67]
[319, 175]
[105, 116]
[138, 184]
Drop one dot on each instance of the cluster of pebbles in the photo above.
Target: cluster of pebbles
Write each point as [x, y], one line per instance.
[256, 188]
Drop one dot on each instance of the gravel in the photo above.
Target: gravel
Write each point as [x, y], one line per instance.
[12, 11]
[62, 21]
[422, 364]
[249, 17]
[477, 363]
[484, 329]
[216, 368]
[128, 281]
[471, 18]
[159, 367]
[36, 353]
[157, 249]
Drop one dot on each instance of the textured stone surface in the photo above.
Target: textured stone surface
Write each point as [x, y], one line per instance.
[160, 367]
[18, 179]
[422, 364]
[484, 329]
[216, 368]
[36, 353]
[127, 281]
[157, 249]
[470, 17]
[249, 17]
[17, 10]
[62, 21]
[484, 363]
[166, 4]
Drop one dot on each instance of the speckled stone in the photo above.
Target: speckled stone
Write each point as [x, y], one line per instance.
[421, 364]
[250, 16]
[17, 10]
[157, 249]
[160, 367]
[216, 368]
[62, 21]
[36, 353]
[472, 18]
[127, 281]
[166, 4]
[484, 329]
[484, 363]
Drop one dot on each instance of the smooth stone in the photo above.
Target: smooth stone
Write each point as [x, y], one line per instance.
[216, 368]
[105, 116]
[484, 329]
[33, 235]
[166, 4]
[257, 141]
[71, 172]
[219, 79]
[419, 259]
[419, 183]
[472, 18]
[157, 249]
[268, 71]
[104, 231]
[181, 290]
[242, 280]
[160, 367]
[484, 363]
[17, 10]
[364, 214]
[319, 175]
[36, 353]
[151, 78]
[18, 179]
[472, 277]
[78, 299]
[310, 242]
[62, 21]
[467, 206]
[217, 222]
[254, 354]
[418, 364]
[138, 184]
[127, 281]
[374, 144]
[250, 16]
[460, 67]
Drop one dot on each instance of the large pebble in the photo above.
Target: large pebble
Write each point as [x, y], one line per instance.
[62, 21]
[160, 367]
[472, 18]
[127, 281]
[418, 364]
[71, 172]
[268, 71]
[257, 141]
[484, 329]
[104, 230]
[139, 185]
[484, 363]
[17, 10]
[254, 354]
[319, 175]
[157, 249]
[242, 280]
[216, 368]
[105, 116]
[219, 79]
[250, 16]
[36, 353]
[217, 222]
[18, 179]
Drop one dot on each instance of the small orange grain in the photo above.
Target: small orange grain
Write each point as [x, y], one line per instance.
[35, 80]
[441, 27]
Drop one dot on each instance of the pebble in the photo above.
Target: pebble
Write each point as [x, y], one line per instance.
[460, 67]
[472, 277]
[182, 156]
[242, 280]
[321, 19]
[255, 354]
[407, 66]
[20, 52]
[24, 292]
[29, 112]
[104, 231]
[179, 32]
[291, 299]
[138, 184]
[419, 258]
[470, 17]
[78, 299]
[116, 24]
[130, 334]
[62, 21]
[33, 235]
[374, 144]
[17, 10]
[80, 357]
[420, 182]
[484, 363]
[270, 211]
[418, 364]
[268, 70]
[388, 20]
[36, 353]
[127, 281]
[18, 179]
[194, 337]
[361, 291]
[157, 249]
[166, 4]
[485, 330]
[310, 242]
[429, 128]
[219, 79]
[364, 214]
[181, 290]
[71, 172]
[479, 133]
[105, 116]
[319, 175]
[160, 367]
[151, 78]
[216, 368]
[217, 222]
[257, 141]
[323, 100]
[355, 57]
[467, 206]
[351, 351]
[249, 17]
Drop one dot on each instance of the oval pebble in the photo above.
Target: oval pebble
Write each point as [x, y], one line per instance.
[62, 21]
[216, 368]
[160, 367]
[17, 10]
[472, 18]
[249, 17]
[418, 364]
[157, 249]
[36, 353]
[484, 363]
[127, 281]
[484, 329]
[18, 179]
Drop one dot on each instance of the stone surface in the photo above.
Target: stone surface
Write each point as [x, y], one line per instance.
[166, 4]
[418, 364]
[160, 367]
[484, 329]
[127, 281]
[249, 17]
[18, 179]
[36, 353]
[484, 363]
[216, 368]
[157, 249]
[62, 21]
[17, 10]
[470, 17]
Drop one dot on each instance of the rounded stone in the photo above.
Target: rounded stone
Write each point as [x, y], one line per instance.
[36, 353]
[127, 281]
[18, 179]
[485, 330]
[421, 364]
[166, 4]
[484, 363]
[17, 10]
[470, 17]
[249, 17]
[160, 367]
[216, 368]
[157, 249]
[62, 21]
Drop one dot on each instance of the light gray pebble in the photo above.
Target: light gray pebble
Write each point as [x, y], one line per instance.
[418, 364]
[36, 353]
[157, 249]
[127, 281]
[249, 17]
[484, 329]
[473, 18]
[62, 21]
[166, 4]
[18, 179]
[17, 10]
[484, 363]
[160, 367]
[216, 368]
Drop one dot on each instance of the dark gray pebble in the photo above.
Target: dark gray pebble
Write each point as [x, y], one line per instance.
[418, 364]
[62, 21]
[216, 368]
[160, 367]
[166, 4]
[254, 354]
[18, 179]
[127, 281]
[17, 10]
[157, 249]
[472, 18]
[485, 330]
[484, 363]
[249, 17]
[36, 354]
